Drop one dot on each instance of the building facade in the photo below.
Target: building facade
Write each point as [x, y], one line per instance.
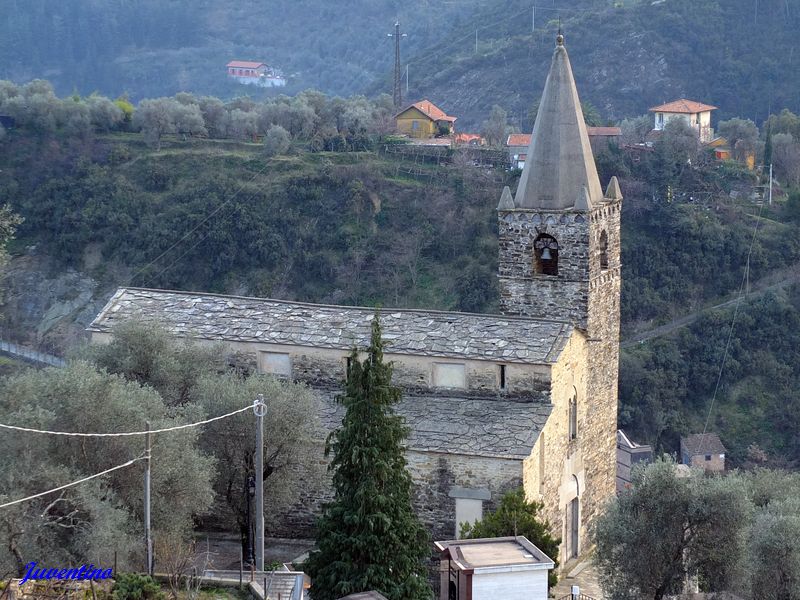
[424, 119]
[254, 73]
[695, 114]
[493, 401]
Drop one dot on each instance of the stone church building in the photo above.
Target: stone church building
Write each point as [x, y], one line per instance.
[526, 397]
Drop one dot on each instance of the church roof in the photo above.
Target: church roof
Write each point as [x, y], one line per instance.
[470, 426]
[405, 331]
[560, 164]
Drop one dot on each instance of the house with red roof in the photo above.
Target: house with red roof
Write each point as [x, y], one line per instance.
[255, 73]
[424, 119]
[696, 114]
[517, 143]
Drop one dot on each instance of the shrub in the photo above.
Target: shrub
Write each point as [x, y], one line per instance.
[132, 586]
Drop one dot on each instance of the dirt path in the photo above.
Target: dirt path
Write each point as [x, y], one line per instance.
[778, 279]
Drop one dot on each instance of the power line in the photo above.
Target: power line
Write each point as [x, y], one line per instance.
[200, 224]
[125, 433]
[745, 277]
[63, 487]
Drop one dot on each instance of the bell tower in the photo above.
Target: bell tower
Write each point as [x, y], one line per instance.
[559, 245]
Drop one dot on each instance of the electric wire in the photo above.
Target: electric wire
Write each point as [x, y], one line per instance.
[124, 433]
[74, 483]
[745, 277]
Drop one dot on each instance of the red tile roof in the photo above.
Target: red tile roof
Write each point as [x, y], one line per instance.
[683, 106]
[245, 64]
[466, 138]
[524, 139]
[519, 139]
[430, 110]
[603, 131]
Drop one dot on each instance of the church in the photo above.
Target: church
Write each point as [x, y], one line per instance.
[494, 401]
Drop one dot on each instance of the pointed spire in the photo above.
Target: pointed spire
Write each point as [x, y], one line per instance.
[560, 161]
[612, 191]
[506, 200]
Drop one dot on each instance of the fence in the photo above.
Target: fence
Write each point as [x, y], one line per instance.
[30, 354]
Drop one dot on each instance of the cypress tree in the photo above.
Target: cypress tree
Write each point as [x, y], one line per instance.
[369, 537]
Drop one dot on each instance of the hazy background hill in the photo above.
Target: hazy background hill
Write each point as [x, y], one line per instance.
[156, 47]
[741, 55]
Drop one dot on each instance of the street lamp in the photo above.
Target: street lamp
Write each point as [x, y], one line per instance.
[250, 489]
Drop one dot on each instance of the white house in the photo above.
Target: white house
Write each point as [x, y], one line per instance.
[255, 73]
[511, 568]
[696, 114]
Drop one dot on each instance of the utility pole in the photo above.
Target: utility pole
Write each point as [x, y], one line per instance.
[147, 536]
[397, 94]
[533, 18]
[770, 184]
[406, 79]
[476, 41]
[260, 409]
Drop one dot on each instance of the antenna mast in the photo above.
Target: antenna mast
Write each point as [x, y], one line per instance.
[397, 94]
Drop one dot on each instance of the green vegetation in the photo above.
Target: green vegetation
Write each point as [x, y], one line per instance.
[627, 56]
[132, 586]
[736, 534]
[517, 516]
[369, 537]
[142, 375]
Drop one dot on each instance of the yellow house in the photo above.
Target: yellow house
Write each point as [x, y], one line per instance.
[424, 119]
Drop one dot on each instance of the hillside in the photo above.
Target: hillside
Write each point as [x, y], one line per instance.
[377, 229]
[627, 56]
[153, 48]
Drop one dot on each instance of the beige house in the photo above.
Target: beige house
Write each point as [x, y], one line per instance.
[696, 114]
[494, 401]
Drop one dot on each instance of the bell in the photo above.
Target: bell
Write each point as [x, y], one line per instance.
[546, 254]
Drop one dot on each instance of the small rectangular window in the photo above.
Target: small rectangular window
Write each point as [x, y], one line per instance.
[708, 457]
[276, 363]
[502, 377]
[449, 375]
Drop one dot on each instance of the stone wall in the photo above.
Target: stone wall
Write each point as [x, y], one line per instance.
[603, 361]
[324, 368]
[561, 460]
[585, 292]
[522, 290]
[437, 477]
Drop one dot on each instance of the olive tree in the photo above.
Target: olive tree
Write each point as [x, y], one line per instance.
[93, 520]
[666, 528]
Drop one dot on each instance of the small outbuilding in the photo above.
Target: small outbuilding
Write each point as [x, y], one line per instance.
[704, 450]
[489, 568]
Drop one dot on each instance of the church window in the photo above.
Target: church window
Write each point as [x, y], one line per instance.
[545, 250]
[449, 375]
[573, 417]
[276, 363]
[603, 250]
[502, 377]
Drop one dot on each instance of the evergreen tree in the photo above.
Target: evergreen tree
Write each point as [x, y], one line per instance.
[517, 516]
[369, 537]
